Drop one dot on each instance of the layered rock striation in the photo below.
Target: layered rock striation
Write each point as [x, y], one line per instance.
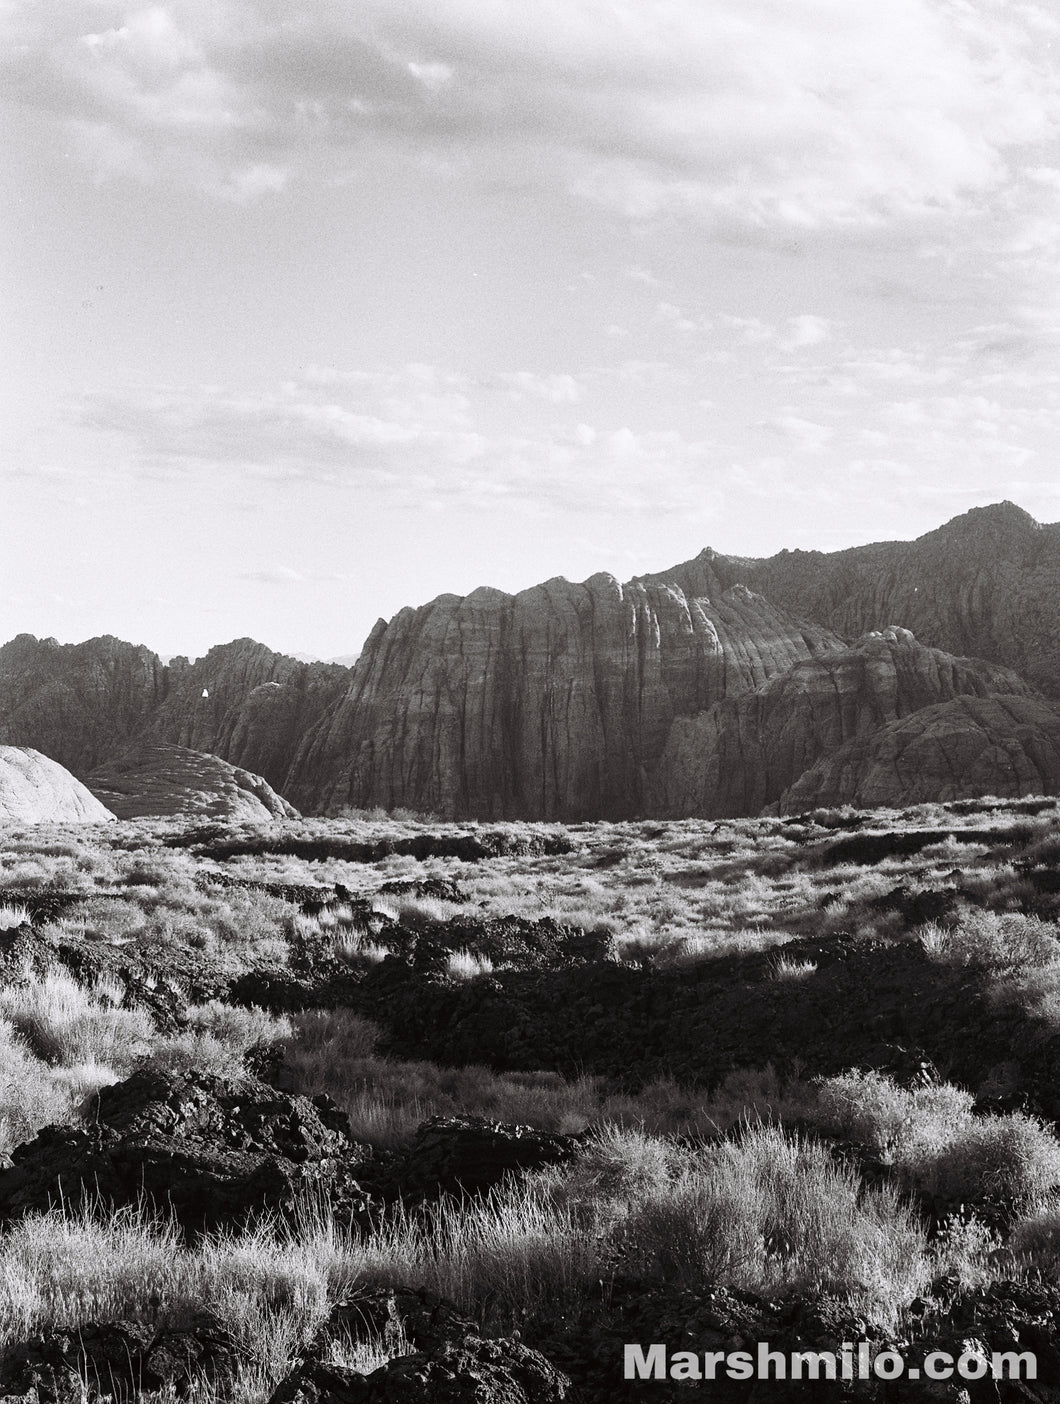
[747, 752]
[965, 748]
[554, 703]
[709, 688]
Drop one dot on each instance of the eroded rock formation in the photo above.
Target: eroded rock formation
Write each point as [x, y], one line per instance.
[37, 790]
[553, 703]
[161, 781]
[597, 700]
[747, 751]
[966, 747]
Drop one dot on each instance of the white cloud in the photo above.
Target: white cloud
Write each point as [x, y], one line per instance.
[393, 433]
[804, 114]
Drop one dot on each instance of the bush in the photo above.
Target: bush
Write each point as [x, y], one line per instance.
[994, 941]
[774, 1214]
[65, 1023]
[1012, 1158]
[896, 1123]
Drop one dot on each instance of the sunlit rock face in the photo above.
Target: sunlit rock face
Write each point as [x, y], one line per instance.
[985, 585]
[37, 790]
[709, 688]
[554, 703]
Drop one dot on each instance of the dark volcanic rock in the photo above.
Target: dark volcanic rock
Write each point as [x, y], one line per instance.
[157, 780]
[472, 1154]
[469, 1371]
[394, 1317]
[969, 746]
[212, 1150]
[36, 790]
[746, 751]
[119, 1360]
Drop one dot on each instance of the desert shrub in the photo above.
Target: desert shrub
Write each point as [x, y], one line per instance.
[749, 1095]
[1034, 1242]
[1036, 992]
[774, 1214]
[65, 1023]
[217, 1039]
[897, 1123]
[993, 940]
[1011, 1158]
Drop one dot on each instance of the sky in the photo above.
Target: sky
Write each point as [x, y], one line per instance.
[315, 309]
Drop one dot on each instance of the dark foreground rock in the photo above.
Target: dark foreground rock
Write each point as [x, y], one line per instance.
[119, 1360]
[393, 1317]
[212, 1151]
[470, 1154]
[467, 1371]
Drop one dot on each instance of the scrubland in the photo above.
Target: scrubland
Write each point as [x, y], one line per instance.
[805, 1059]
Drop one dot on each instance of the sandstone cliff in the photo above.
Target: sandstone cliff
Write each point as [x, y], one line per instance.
[84, 704]
[37, 790]
[150, 781]
[745, 752]
[580, 701]
[76, 702]
[985, 585]
[553, 703]
[961, 749]
[258, 705]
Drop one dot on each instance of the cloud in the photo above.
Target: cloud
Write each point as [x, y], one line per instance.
[412, 437]
[286, 575]
[747, 113]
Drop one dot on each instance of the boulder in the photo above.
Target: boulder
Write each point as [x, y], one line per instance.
[36, 790]
[469, 1371]
[213, 1151]
[119, 1360]
[470, 1154]
[396, 1317]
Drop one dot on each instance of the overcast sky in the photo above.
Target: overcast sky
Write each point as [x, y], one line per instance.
[317, 308]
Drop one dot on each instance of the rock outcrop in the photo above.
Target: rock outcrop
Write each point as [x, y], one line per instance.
[247, 704]
[466, 1371]
[37, 790]
[961, 749]
[120, 1361]
[77, 703]
[745, 752]
[212, 1151]
[162, 781]
[86, 704]
[554, 703]
[986, 584]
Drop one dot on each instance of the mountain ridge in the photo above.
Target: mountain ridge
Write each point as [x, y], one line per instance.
[560, 700]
